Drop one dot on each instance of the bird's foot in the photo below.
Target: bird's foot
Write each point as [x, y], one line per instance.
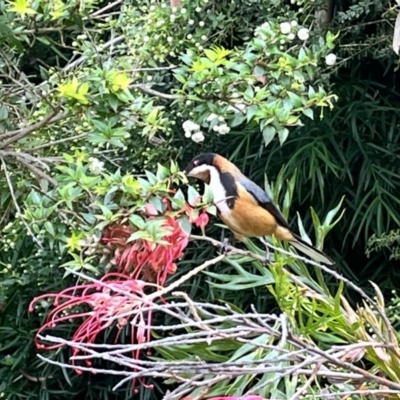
[267, 258]
[225, 245]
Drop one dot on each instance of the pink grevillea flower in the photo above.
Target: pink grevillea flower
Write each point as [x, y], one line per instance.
[144, 258]
[101, 306]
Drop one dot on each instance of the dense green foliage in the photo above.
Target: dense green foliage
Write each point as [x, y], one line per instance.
[96, 99]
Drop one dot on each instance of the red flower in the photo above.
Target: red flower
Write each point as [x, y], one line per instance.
[108, 307]
[200, 220]
[144, 257]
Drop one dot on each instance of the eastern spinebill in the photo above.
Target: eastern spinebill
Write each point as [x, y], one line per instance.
[243, 206]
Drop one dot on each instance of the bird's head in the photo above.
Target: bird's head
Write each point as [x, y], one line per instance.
[201, 166]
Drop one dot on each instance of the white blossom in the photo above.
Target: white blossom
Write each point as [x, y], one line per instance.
[291, 36]
[95, 166]
[303, 34]
[211, 117]
[293, 23]
[201, 23]
[198, 137]
[223, 129]
[190, 126]
[330, 59]
[188, 134]
[285, 27]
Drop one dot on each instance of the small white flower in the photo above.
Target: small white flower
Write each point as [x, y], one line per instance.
[285, 27]
[293, 23]
[211, 117]
[188, 134]
[330, 59]
[198, 137]
[183, 10]
[191, 22]
[265, 25]
[203, 37]
[198, 9]
[201, 23]
[224, 129]
[169, 39]
[291, 36]
[303, 34]
[190, 126]
[216, 128]
[95, 166]
[189, 36]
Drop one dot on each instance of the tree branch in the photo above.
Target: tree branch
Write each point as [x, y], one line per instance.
[20, 133]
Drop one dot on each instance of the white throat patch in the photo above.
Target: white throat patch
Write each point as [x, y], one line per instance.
[216, 187]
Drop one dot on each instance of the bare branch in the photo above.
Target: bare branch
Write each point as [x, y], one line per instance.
[20, 133]
[56, 142]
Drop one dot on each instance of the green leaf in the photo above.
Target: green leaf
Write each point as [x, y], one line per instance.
[162, 172]
[331, 214]
[193, 196]
[185, 224]
[3, 112]
[308, 112]
[283, 135]
[269, 133]
[137, 221]
[49, 228]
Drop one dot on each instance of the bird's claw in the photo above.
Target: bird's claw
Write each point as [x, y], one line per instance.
[225, 245]
[267, 258]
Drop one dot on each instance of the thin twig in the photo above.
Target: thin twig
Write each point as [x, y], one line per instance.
[56, 142]
[307, 384]
[20, 133]
[186, 277]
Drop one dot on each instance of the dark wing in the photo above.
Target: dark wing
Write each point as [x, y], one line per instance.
[263, 200]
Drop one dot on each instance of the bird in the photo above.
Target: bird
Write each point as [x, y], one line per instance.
[243, 206]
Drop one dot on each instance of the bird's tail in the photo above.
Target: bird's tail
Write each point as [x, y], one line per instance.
[310, 251]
